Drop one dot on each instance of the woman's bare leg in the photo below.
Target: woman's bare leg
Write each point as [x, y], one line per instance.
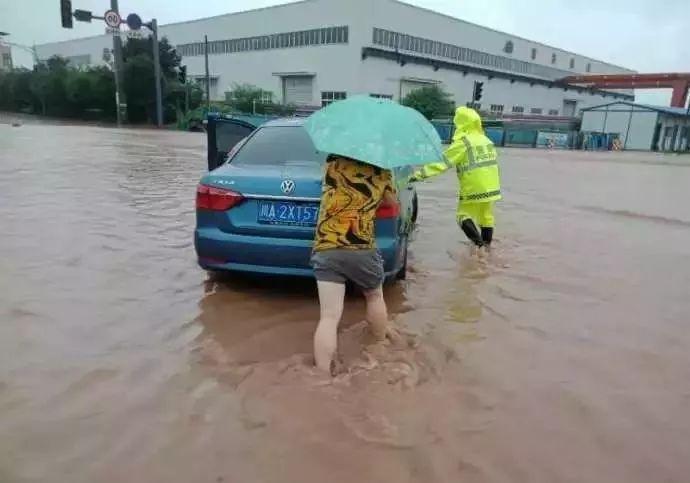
[331, 299]
[377, 313]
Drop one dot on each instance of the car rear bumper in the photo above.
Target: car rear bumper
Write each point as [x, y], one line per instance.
[218, 250]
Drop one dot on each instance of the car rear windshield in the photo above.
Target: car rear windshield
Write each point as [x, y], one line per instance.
[279, 146]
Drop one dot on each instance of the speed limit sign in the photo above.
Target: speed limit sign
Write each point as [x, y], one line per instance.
[112, 19]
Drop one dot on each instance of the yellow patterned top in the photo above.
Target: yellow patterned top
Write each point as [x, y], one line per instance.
[352, 191]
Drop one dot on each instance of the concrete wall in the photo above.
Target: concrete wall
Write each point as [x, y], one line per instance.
[401, 17]
[616, 118]
[380, 76]
[641, 132]
[642, 122]
[667, 143]
[334, 65]
[5, 57]
[91, 46]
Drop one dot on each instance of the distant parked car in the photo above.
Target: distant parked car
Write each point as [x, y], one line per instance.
[257, 207]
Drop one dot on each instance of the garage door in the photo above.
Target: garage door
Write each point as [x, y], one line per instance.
[569, 108]
[298, 90]
[407, 86]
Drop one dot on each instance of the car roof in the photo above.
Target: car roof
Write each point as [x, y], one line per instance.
[285, 122]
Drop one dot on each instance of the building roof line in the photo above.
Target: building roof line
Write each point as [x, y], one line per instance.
[509, 34]
[673, 111]
[252, 10]
[400, 2]
[483, 70]
[72, 40]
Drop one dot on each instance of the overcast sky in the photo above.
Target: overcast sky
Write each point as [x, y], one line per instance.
[645, 35]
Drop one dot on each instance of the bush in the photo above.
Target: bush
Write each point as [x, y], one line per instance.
[250, 99]
[53, 88]
[432, 102]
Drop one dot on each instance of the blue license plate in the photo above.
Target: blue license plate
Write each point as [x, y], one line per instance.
[287, 213]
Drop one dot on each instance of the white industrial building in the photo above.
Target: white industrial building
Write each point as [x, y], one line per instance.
[314, 51]
[5, 56]
[640, 126]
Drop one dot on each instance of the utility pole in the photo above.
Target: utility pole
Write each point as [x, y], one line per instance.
[157, 73]
[31, 49]
[208, 78]
[120, 99]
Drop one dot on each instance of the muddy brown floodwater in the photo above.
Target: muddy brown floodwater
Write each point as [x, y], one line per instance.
[563, 358]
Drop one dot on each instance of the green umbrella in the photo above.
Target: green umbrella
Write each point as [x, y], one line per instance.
[377, 131]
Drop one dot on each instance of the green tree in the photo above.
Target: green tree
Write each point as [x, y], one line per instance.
[248, 98]
[15, 91]
[103, 91]
[79, 88]
[139, 87]
[39, 86]
[55, 88]
[139, 83]
[432, 102]
[48, 87]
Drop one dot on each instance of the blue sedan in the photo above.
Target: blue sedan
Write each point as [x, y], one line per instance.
[257, 207]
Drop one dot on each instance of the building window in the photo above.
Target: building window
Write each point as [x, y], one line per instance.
[518, 109]
[381, 96]
[553, 112]
[79, 60]
[7, 60]
[536, 110]
[572, 63]
[508, 48]
[589, 67]
[496, 108]
[390, 40]
[329, 96]
[331, 35]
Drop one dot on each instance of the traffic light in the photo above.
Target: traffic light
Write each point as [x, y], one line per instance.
[182, 76]
[478, 88]
[66, 12]
[83, 15]
[133, 21]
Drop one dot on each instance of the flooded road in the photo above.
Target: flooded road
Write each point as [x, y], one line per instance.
[563, 358]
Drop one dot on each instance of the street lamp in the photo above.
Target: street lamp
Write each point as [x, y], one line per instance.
[31, 50]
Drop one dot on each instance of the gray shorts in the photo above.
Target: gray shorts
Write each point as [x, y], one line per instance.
[364, 268]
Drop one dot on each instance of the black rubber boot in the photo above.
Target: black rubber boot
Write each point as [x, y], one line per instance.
[487, 235]
[470, 229]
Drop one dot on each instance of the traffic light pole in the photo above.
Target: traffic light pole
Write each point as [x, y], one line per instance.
[208, 78]
[120, 99]
[157, 73]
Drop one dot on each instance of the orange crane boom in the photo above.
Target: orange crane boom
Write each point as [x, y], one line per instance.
[679, 82]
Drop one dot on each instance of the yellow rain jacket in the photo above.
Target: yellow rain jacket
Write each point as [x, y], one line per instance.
[474, 157]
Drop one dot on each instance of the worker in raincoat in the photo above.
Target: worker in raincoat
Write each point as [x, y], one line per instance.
[474, 157]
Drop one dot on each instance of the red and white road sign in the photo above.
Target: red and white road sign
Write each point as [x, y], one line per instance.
[112, 19]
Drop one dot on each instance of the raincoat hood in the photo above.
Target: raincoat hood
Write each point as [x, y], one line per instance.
[467, 121]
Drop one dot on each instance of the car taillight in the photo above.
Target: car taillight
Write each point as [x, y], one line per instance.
[388, 209]
[216, 199]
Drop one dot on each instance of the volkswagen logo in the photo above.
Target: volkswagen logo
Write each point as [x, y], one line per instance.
[287, 186]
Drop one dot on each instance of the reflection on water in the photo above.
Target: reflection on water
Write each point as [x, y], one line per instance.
[561, 357]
